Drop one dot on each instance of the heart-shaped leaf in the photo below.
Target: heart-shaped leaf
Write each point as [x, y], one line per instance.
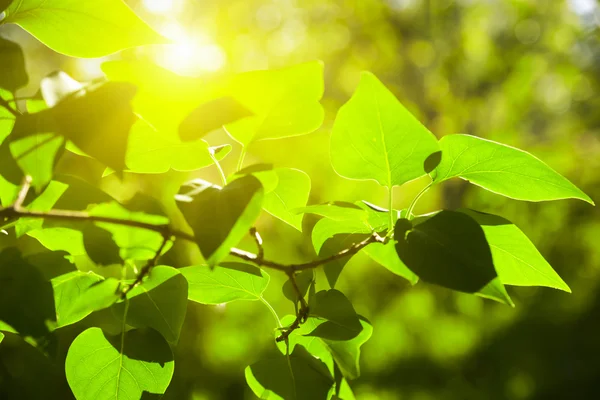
[221, 217]
[67, 288]
[121, 367]
[375, 137]
[448, 249]
[341, 321]
[13, 74]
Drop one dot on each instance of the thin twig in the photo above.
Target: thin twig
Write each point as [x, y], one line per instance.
[260, 251]
[146, 269]
[22, 193]
[301, 313]
[6, 104]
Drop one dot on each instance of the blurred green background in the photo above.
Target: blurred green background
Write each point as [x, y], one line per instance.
[522, 72]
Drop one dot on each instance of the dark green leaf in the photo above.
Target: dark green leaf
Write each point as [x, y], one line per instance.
[224, 283]
[13, 74]
[160, 302]
[210, 116]
[99, 245]
[298, 376]
[341, 321]
[4, 4]
[448, 249]
[303, 279]
[120, 368]
[220, 218]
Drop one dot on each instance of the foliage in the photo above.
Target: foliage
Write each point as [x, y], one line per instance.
[110, 273]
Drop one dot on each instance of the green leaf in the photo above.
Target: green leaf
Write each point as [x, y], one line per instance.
[375, 137]
[60, 239]
[303, 280]
[385, 255]
[210, 116]
[298, 376]
[291, 192]
[288, 104]
[227, 282]
[99, 245]
[341, 321]
[134, 243]
[26, 300]
[345, 353]
[516, 259]
[97, 296]
[220, 218]
[160, 302]
[448, 249]
[44, 202]
[89, 29]
[336, 210]
[67, 289]
[13, 74]
[97, 122]
[153, 152]
[4, 4]
[118, 368]
[496, 291]
[502, 169]
[36, 155]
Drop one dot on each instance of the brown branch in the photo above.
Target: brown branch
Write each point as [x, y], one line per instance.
[259, 243]
[165, 230]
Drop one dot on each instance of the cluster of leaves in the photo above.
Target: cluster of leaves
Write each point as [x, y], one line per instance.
[145, 120]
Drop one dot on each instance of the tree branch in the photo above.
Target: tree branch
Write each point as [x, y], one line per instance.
[146, 269]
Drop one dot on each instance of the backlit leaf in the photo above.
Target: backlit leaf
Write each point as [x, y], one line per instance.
[502, 169]
[227, 282]
[375, 137]
[91, 28]
[67, 288]
[120, 368]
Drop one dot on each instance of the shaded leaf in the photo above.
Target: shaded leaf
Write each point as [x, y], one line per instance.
[160, 302]
[92, 28]
[220, 218]
[227, 282]
[124, 368]
[375, 137]
[303, 280]
[516, 259]
[502, 169]
[13, 74]
[449, 249]
[341, 321]
[99, 245]
[297, 376]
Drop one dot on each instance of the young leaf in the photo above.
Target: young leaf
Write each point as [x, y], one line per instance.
[67, 288]
[154, 152]
[502, 169]
[449, 249]
[341, 321]
[227, 282]
[298, 376]
[160, 302]
[220, 218]
[124, 367]
[375, 137]
[89, 29]
[288, 104]
[13, 74]
[516, 259]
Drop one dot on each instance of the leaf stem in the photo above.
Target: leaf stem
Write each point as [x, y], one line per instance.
[391, 208]
[270, 307]
[416, 199]
[218, 165]
[240, 162]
